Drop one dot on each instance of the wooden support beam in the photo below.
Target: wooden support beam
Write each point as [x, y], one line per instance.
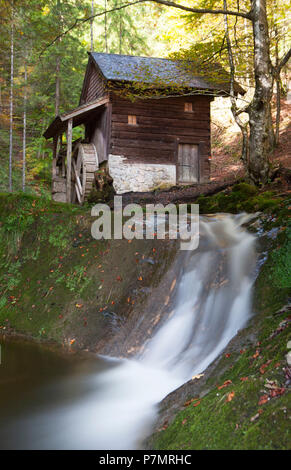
[69, 158]
[55, 145]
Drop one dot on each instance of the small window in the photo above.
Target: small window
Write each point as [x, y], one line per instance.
[132, 120]
[188, 107]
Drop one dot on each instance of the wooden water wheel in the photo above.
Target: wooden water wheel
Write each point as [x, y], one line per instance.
[84, 165]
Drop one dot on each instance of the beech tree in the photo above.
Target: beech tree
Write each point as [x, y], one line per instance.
[261, 139]
[11, 96]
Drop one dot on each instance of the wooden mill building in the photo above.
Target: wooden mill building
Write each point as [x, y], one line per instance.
[147, 120]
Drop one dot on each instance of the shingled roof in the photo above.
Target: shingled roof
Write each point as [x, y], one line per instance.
[162, 72]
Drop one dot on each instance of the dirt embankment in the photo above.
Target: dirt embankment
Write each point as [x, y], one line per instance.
[59, 284]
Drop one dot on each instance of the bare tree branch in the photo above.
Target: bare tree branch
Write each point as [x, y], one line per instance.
[283, 61]
[203, 10]
[80, 21]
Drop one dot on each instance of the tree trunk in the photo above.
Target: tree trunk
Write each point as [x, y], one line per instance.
[262, 137]
[11, 100]
[278, 91]
[92, 26]
[247, 50]
[105, 27]
[24, 127]
[235, 111]
[69, 159]
[57, 104]
[58, 63]
[120, 31]
[278, 109]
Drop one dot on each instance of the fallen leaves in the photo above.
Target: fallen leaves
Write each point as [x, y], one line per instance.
[256, 416]
[229, 397]
[282, 325]
[197, 377]
[263, 399]
[277, 392]
[188, 402]
[264, 367]
[257, 353]
[225, 384]
[173, 285]
[167, 300]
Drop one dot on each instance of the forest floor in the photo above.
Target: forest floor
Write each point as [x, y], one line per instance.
[226, 148]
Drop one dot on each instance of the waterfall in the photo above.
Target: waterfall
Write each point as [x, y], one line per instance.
[212, 302]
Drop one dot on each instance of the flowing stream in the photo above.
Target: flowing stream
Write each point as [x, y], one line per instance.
[49, 402]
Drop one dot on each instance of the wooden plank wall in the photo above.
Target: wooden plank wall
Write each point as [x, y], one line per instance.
[99, 133]
[161, 125]
[94, 86]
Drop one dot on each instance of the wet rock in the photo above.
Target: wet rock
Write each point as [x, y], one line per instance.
[147, 260]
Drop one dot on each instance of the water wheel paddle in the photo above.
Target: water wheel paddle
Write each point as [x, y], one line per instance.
[84, 165]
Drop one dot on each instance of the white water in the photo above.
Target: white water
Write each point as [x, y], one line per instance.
[212, 303]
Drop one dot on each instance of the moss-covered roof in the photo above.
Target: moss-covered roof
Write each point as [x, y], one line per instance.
[163, 72]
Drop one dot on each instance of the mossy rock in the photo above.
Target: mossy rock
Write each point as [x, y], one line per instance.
[245, 189]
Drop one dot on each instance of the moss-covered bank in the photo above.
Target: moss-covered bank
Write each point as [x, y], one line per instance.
[243, 399]
[58, 283]
[241, 197]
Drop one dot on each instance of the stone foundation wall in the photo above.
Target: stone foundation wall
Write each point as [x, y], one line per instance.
[59, 191]
[139, 176]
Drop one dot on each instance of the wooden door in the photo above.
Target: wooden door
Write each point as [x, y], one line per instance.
[188, 163]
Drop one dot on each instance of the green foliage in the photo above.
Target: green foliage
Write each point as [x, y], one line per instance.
[11, 275]
[58, 236]
[245, 189]
[77, 280]
[242, 197]
[123, 34]
[281, 262]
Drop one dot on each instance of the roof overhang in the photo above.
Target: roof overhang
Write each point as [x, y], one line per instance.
[161, 73]
[78, 115]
